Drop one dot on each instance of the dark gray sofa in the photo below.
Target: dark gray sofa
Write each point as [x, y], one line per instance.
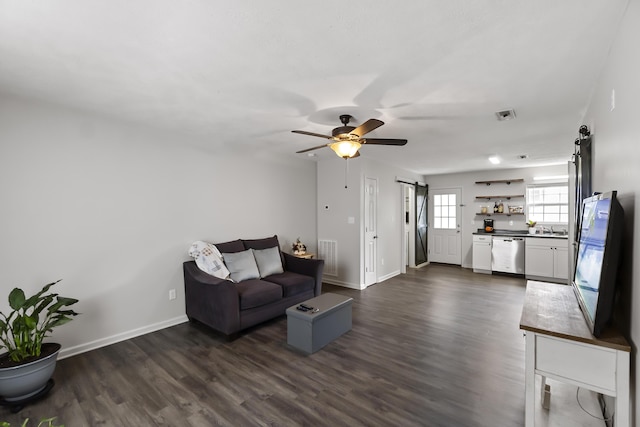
[230, 307]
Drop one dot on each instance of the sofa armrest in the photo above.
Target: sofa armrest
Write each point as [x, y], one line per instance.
[308, 267]
[212, 301]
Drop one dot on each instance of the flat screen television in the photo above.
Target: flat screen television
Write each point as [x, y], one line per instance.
[594, 281]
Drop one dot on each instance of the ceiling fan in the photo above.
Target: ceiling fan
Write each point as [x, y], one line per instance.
[347, 140]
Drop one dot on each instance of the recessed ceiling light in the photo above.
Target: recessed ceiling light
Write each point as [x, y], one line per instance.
[494, 159]
[523, 156]
[311, 154]
[505, 115]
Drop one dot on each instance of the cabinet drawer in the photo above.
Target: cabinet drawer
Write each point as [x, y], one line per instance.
[549, 242]
[588, 364]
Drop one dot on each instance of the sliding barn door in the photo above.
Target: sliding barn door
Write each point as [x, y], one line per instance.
[422, 198]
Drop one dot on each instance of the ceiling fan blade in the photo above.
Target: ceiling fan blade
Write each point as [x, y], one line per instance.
[313, 148]
[382, 141]
[319, 135]
[367, 127]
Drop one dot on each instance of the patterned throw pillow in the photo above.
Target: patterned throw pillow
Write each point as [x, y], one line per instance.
[209, 259]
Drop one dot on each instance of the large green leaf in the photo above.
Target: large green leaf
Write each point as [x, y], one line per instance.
[31, 322]
[59, 321]
[62, 301]
[45, 301]
[67, 301]
[33, 300]
[16, 298]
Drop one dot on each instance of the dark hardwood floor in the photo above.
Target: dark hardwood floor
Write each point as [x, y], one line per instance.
[439, 346]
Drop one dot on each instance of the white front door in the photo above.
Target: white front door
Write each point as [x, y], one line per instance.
[370, 230]
[446, 226]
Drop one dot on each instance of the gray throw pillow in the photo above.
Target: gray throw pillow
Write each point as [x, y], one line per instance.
[241, 265]
[269, 261]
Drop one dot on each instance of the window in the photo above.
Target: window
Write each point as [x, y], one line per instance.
[444, 211]
[548, 203]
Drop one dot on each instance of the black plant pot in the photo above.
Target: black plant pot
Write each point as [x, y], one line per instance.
[18, 383]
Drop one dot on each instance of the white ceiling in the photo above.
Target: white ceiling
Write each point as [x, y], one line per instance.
[243, 74]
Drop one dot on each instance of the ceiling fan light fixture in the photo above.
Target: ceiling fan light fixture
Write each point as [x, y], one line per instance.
[345, 149]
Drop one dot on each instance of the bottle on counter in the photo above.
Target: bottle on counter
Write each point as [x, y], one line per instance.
[495, 207]
[500, 207]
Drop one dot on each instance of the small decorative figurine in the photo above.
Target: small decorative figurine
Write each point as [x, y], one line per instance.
[298, 247]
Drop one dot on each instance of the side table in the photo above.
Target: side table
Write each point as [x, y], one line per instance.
[306, 255]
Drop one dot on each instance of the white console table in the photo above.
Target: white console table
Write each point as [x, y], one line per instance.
[560, 346]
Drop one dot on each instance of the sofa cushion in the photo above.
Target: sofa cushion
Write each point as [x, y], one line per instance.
[241, 265]
[269, 261]
[292, 283]
[268, 242]
[255, 293]
[230, 247]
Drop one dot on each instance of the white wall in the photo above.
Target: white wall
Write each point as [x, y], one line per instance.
[390, 221]
[345, 203]
[616, 162]
[112, 208]
[336, 204]
[466, 181]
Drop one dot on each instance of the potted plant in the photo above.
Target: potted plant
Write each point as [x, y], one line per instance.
[532, 226]
[29, 362]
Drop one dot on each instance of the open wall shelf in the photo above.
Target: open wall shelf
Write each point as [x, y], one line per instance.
[499, 214]
[501, 198]
[506, 197]
[500, 181]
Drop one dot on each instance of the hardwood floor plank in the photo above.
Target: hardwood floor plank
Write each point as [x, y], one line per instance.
[439, 346]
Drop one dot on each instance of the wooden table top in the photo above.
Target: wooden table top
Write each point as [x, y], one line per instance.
[552, 309]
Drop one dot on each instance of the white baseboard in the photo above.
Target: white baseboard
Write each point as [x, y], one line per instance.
[388, 276]
[103, 342]
[343, 284]
[359, 287]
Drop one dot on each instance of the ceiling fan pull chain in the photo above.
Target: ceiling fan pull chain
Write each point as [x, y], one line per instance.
[346, 171]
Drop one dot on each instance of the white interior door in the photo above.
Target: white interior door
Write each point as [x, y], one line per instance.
[370, 230]
[446, 226]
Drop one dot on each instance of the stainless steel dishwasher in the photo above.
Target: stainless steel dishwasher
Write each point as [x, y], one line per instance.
[507, 254]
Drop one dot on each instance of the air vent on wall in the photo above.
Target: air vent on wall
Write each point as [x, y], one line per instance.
[328, 251]
[505, 115]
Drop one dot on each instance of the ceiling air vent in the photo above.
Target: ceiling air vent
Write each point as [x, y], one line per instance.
[505, 115]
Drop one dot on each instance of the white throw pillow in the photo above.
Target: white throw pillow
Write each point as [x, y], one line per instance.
[242, 265]
[269, 261]
[209, 259]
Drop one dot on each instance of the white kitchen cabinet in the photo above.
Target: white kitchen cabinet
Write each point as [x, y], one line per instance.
[547, 259]
[561, 262]
[481, 253]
